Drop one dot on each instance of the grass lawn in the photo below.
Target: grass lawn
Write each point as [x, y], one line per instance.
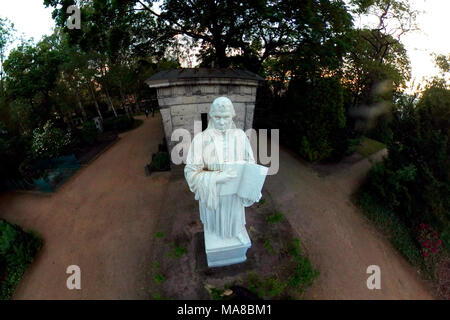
[369, 146]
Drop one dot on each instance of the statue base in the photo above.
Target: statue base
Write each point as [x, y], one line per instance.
[222, 252]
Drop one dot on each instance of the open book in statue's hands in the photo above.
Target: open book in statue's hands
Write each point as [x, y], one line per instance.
[248, 182]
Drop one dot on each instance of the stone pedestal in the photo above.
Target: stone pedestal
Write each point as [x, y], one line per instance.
[223, 252]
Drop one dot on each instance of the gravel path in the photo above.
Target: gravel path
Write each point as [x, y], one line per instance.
[341, 242]
[101, 219]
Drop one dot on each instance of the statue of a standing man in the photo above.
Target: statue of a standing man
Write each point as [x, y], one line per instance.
[223, 216]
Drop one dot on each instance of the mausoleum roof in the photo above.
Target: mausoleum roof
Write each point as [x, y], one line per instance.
[201, 73]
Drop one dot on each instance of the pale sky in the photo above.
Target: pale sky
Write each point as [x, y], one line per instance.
[32, 19]
[434, 37]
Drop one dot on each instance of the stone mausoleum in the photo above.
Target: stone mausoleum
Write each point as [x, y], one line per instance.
[185, 95]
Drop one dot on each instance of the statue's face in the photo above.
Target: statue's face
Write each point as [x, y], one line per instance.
[222, 120]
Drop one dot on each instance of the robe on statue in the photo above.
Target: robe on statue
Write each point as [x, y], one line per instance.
[223, 216]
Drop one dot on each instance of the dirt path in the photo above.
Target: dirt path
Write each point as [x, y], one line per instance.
[102, 220]
[340, 240]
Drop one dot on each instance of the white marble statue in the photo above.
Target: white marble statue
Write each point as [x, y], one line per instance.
[223, 216]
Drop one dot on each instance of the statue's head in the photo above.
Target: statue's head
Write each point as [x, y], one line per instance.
[221, 113]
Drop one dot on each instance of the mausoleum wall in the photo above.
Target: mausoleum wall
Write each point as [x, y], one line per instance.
[183, 101]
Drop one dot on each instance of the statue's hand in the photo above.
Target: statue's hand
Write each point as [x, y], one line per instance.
[226, 176]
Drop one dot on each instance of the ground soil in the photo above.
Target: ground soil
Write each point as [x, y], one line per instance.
[187, 276]
[102, 219]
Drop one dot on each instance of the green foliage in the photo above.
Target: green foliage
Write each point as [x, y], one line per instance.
[316, 119]
[6, 38]
[17, 250]
[352, 145]
[388, 222]
[89, 132]
[216, 294]
[177, 251]
[276, 217]
[414, 180]
[301, 28]
[159, 234]
[374, 67]
[13, 149]
[158, 296]
[32, 71]
[315, 152]
[411, 188]
[273, 287]
[159, 278]
[160, 161]
[434, 108]
[270, 287]
[267, 244]
[304, 274]
[254, 284]
[429, 241]
[120, 124]
[300, 275]
[49, 141]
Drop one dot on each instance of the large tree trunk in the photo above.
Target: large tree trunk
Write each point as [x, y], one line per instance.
[110, 101]
[221, 55]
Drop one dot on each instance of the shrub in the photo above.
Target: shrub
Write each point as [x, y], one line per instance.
[388, 221]
[315, 120]
[273, 286]
[275, 217]
[13, 149]
[177, 251]
[414, 181]
[216, 294]
[314, 152]
[159, 278]
[49, 141]
[160, 161]
[120, 123]
[429, 241]
[89, 132]
[17, 251]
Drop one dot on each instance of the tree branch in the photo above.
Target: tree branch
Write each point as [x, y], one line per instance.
[182, 29]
